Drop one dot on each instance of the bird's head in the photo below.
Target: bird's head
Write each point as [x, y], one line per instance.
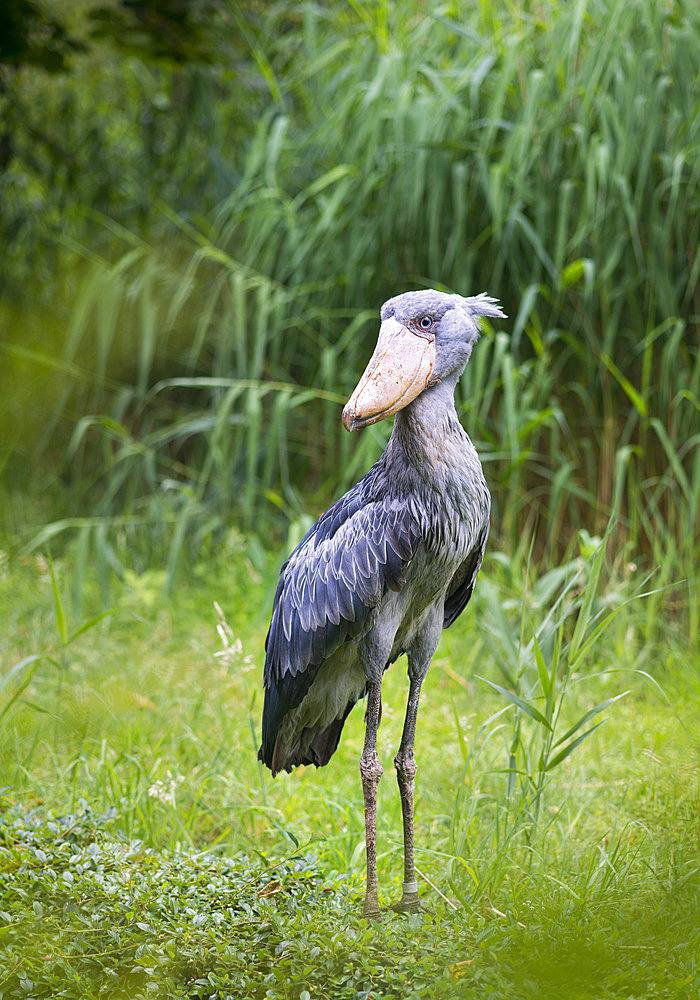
[424, 337]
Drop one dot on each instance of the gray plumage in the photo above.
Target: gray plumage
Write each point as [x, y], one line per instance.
[389, 565]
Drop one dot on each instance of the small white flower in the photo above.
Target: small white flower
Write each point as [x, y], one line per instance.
[164, 791]
[232, 648]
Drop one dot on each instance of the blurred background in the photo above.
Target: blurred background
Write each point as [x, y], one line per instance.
[204, 203]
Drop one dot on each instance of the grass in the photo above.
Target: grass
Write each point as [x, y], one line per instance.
[127, 920]
[146, 737]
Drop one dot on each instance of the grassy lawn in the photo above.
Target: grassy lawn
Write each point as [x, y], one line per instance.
[146, 854]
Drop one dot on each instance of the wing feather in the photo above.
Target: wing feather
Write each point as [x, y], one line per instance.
[328, 587]
[462, 585]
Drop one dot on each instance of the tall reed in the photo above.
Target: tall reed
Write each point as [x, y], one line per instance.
[550, 159]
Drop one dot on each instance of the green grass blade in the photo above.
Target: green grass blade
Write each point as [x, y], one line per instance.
[58, 607]
[515, 699]
[569, 749]
[596, 710]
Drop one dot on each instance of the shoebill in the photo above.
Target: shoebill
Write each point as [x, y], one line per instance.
[388, 566]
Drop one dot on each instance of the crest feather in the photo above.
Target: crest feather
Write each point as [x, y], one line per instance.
[484, 305]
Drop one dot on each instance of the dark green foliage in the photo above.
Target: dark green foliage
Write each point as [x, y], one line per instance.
[121, 916]
[86, 913]
[29, 36]
[174, 31]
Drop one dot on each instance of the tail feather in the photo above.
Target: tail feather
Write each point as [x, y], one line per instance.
[312, 746]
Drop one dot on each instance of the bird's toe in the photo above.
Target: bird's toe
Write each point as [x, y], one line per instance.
[409, 903]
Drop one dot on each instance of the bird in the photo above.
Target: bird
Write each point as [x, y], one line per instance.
[388, 566]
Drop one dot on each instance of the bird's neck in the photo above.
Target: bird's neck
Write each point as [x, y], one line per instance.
[430, 412]
[429, 438]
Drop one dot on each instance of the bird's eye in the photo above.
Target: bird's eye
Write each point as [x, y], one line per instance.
[425, 322]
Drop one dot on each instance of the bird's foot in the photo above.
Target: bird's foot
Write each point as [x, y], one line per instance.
[409, 902]
[371, 910]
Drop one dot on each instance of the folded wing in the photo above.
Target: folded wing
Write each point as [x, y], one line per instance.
[338, 574]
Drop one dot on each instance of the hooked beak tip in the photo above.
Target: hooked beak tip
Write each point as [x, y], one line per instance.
[348, 416]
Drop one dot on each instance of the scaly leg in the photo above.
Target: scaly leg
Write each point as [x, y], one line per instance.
[405, 763]
[371, 771]
[419, 656]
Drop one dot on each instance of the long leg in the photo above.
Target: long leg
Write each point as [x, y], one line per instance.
[406, 768]
[371, 771]
[405, 762]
